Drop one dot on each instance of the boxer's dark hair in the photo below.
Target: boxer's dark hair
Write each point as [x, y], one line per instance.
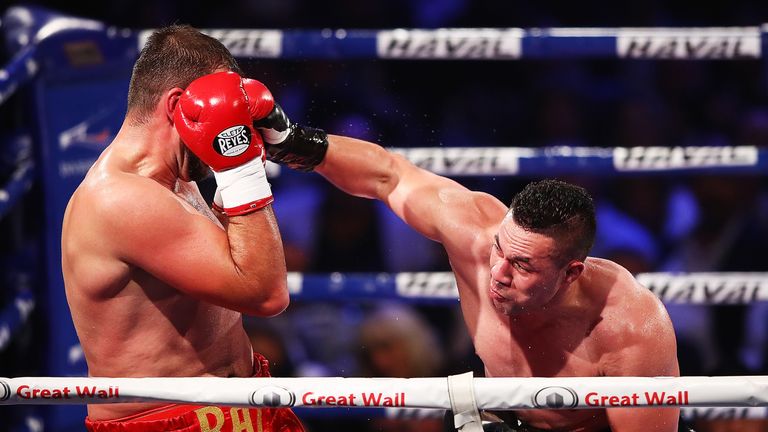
[560, 210]
[173, 56]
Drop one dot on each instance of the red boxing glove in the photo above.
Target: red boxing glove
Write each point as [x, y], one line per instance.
[260, 100]
[265, 113]
[213, 119]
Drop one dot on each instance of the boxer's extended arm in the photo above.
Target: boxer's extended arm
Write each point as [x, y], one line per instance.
[241, 268]
[647, 349]
[435, 206]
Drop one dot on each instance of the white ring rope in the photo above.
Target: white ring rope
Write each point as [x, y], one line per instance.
[490, 393]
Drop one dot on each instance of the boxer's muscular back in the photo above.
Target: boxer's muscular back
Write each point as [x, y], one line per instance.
[131, 324]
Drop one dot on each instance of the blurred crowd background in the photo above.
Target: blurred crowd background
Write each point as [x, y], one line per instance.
[647, 223]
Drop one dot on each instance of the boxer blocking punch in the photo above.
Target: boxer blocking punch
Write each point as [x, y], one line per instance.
[214, 119]
[157, 282]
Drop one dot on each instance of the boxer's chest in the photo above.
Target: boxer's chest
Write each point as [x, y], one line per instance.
[561, 351]
[189, 194]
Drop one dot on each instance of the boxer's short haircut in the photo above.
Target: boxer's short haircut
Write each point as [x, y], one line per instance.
[173, 56]
[559, 210]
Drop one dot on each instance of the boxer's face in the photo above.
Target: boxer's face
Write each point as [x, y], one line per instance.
[525, 274]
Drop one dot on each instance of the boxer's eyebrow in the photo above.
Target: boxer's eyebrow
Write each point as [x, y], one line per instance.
[515, 258]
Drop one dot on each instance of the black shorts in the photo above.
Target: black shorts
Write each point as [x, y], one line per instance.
[512, 424]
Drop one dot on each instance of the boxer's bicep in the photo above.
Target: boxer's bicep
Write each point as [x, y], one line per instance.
[652, 356]
[437, 207]
[648, 349]
[183, 249]
[164, 231]
[442, 209]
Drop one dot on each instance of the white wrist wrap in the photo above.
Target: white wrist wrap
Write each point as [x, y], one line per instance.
[242, 189]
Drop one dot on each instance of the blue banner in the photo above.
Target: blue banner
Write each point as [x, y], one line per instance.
[81, 95]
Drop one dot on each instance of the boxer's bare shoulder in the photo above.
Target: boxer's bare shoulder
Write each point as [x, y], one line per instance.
[633, 331]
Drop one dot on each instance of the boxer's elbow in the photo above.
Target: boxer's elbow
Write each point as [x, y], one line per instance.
[388, 176]
[262, 288]
[268, 299]
[277, 301]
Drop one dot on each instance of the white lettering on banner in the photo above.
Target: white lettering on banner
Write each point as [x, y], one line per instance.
[694, 43]
[411, 413]
[424, 284]
[82, 135]
[712, 288]
[723, 413]
[666, 158]
[250, 43]
[450, 44]
[466, 161]
[75, 168]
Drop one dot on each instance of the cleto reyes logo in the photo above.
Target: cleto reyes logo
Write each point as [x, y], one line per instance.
[232, 141]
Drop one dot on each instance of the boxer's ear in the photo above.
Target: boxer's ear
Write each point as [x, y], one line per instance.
[171, 100]
[573, 270]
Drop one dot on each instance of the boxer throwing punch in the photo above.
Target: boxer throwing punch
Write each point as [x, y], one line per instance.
[534, 303]
[155, 280]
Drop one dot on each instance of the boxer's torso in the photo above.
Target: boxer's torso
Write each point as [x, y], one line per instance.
[131, 324]
[563, 346]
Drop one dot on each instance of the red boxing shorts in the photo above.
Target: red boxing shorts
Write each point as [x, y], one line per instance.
[196, 418]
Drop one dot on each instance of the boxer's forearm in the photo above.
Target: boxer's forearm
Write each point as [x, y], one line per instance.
[425, 201]
[256, 249]
[360, 168]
